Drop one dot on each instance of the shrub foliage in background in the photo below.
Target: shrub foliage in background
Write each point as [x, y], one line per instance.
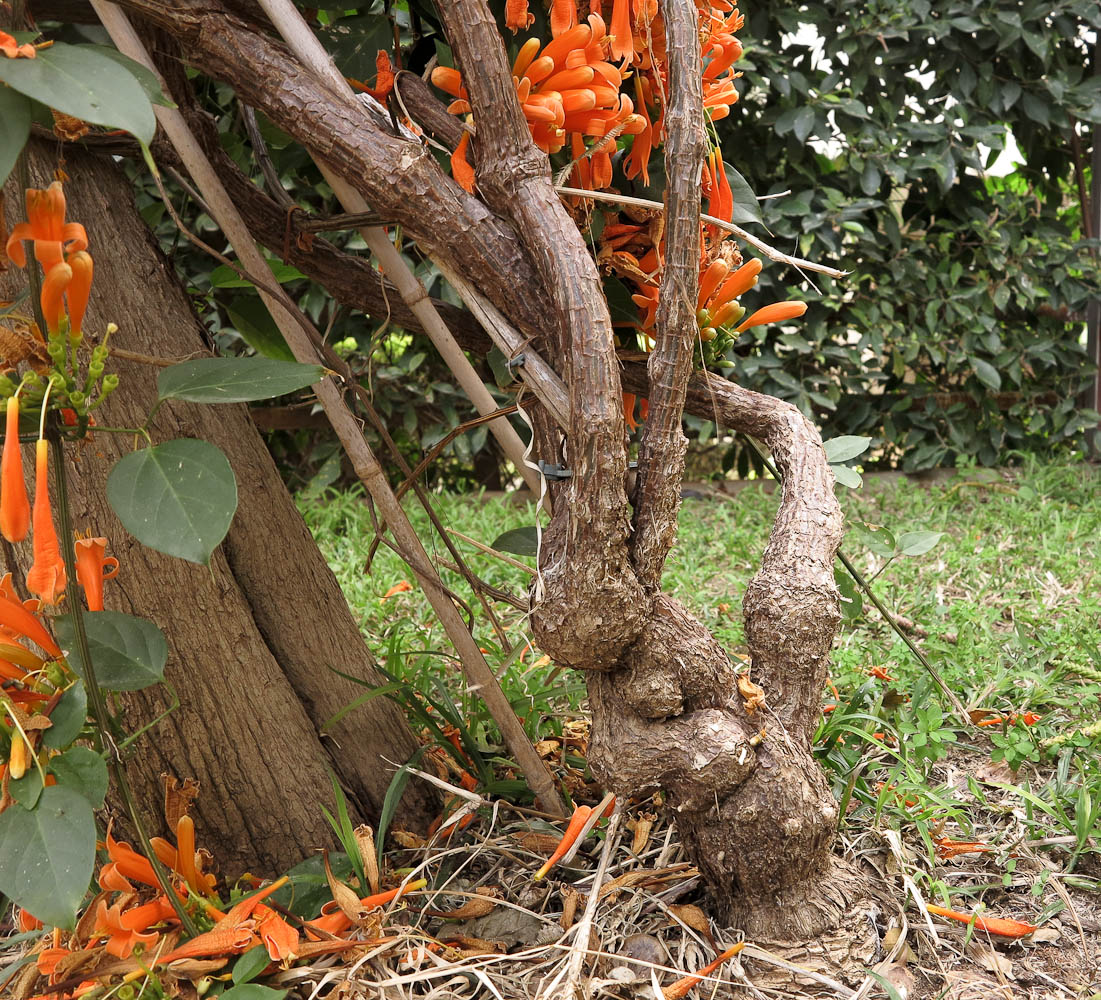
[958, 334]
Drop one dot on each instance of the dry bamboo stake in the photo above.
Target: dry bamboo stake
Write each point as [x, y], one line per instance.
[304, 44]
[535, 372]
[480, 677]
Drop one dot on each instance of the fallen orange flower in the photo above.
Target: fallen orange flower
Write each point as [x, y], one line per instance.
[681, 987]
[46, 578]
[336, 921]
[127, 928]
[397, 588]
[952, 848]
[279, 937]
[577, 823]
[15, 508]
[993, 925]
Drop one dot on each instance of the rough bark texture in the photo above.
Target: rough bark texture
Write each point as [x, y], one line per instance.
[668, 711]
[663, 446]
[592, 603]
[252, 638]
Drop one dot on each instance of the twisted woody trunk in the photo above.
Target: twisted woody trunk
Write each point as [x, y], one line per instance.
[670, 711]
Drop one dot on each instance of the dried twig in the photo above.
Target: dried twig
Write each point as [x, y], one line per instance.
[769, 251]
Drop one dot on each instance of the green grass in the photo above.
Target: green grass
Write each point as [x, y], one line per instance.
[1010, 599]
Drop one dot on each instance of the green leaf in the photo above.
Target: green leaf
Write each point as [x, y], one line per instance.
[986, 373]
[251, 319]
[803, 123]
[178, 497]
[308, 889]
[253, 991]
[128, 653]
[852, 599]
[746, 206]
[80, 81]
[251, 964]
[27, 789]
[68, 717]
[234, 380]
[845, 448]
[847, 477]
[84, 771]
[520, 541]
[15, 126]
[47, 853]
[917, 543]
[223, 276]
[149, 80]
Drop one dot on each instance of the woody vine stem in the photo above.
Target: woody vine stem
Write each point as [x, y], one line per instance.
[103, 738]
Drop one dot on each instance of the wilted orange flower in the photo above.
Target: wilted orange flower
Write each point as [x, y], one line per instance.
[13, 50]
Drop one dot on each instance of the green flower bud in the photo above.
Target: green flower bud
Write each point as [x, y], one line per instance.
[110, 383]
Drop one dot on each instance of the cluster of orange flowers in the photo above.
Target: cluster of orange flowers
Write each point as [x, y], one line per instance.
[572, 88]
[62, 249]
[129, 922]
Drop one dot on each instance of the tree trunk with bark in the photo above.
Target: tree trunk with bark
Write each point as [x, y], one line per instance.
[670, 711]
[254, 639]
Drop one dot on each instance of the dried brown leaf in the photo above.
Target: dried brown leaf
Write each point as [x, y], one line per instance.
[343, 895]
[19, 342]
[753, 694]
[694, 917]
[178, 796]
[365, 841]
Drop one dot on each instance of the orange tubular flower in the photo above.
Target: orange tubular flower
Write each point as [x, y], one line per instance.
[384, 80]
[57, 281]
[517, 15]
[461, 169]
[15, 508]
[17, 621]
[13, 50]
[90, 566]
[79, 289]
[993, 925]
[563, 16]
[126, 928]
[777, 312]
[46, 577]
[629, 410]
[53, 237]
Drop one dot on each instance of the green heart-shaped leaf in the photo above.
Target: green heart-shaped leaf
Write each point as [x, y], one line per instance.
[178, 497]
[46, 854]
